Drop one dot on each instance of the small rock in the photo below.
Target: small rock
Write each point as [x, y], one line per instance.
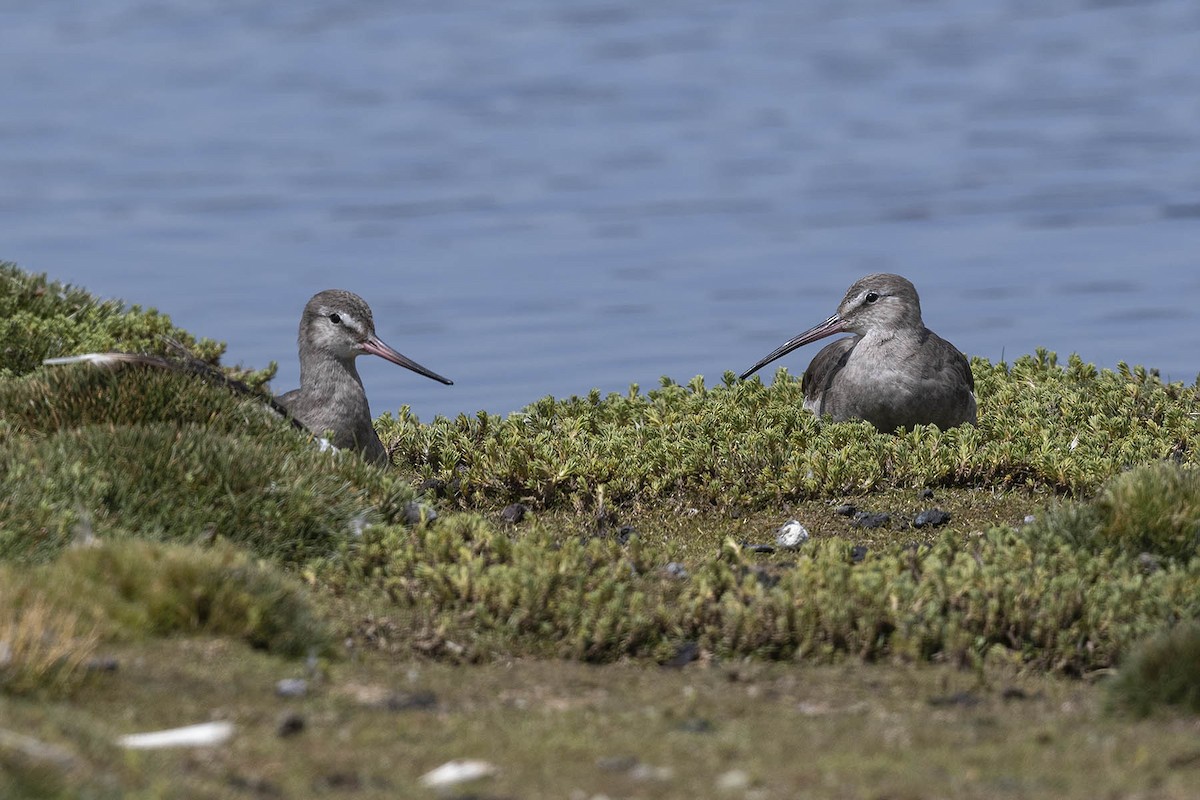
[927, 494]
[205, 734]
[460, 770]
[758, 548]
[732, 781]
[932, 517]
[97, 664]
[685, 654]
[290, 724]
[423, 700]
[291, 687]
[433, 486]
[514, 513]
[767, 578]
[1030, 519]
[616, 763]
[858, 553]
[649, 772]
[791, 535]
[845, 510]
[676, 570]
[877, 520]
[416, 513]
[962, 699]
[697, 725]
[624, 532]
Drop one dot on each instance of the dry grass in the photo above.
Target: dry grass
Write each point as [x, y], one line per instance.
[42, 646]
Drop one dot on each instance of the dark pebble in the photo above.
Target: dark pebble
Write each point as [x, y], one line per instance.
[415, 513]
[624, 532]
[434, 486]
[766, 578]
[858, 553]
[961, 699]
[758, 548]
[676, 570]
[927, 494]
[341, 781]
[616, 763]
[878, 520]
[514, 513]
[411, 701]
[255, 785]
[697, 725]
[846, 510]
[932, 517]
[685, 654]
[290, 724]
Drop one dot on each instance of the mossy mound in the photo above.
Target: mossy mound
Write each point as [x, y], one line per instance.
[1162, 671]
[40, 318]
[744, 444]
[130, 589]
[54, 617]
[78, 395]
[184, 483]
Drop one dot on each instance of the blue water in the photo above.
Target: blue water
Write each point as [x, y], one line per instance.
[541, 196]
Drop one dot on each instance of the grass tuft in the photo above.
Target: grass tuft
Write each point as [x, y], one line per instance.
[117, 591]
[1162, 671]
[43, 646]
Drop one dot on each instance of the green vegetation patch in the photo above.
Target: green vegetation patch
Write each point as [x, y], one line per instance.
[186, 483]
[40, 318]
[1030, 593]
[744, 444]
[55, 616]
[130, 589]
[1162, 671]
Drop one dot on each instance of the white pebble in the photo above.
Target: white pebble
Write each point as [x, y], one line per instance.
[791, 535]
[202, 735]
[460, 770]
[732, 781]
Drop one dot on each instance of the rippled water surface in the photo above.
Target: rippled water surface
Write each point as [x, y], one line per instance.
[540, 197]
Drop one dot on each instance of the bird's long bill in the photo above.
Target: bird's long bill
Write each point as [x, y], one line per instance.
[827, 328]
[377, 347]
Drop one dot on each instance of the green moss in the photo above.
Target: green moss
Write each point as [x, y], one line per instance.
[53, 617]
[1162, 671]
[1031, 593]
[186, 483]
[40, 318]
[131, 589]
[743, 444]
[58, 398]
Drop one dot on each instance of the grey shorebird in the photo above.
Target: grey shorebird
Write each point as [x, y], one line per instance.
[335, 329]
[893, 372]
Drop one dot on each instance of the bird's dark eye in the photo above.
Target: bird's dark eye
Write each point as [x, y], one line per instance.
[335, 319]
[871, 297]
